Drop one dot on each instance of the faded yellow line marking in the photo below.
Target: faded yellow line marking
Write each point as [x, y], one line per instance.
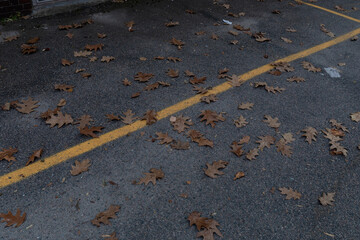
[331, 11]
[77, 150]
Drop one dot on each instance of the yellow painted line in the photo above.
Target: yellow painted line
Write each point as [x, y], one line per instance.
[77, 150]
[331, 11]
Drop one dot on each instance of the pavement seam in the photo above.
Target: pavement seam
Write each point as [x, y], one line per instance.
[84, 147]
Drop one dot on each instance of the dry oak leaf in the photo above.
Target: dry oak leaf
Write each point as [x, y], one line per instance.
[135, 95]
[46, 115]
[288, 137]
[291, 29]
[27, 106]
[61, 103]
[272, 122]
[83, 121]
[130, 26]
[189, 74]
[200, 90]
[286, 40]
[11, 219]
[338, 125]
[239, 175]
[213, 169]
[7, 154]
[65, 27]
[211, 117]
[323, 29]
[329, 135]
[327, 199]
[235, 81]
[113, 235]
[233, 33]
[80, 167]
[126, 82]
[177, 43]
[240, 28]
[172, 73]
[199, 138]
[236, 148]
[36, 154]
[174, 59]
[150, 117]
[181, 123]
[90, 131]
[103, 217]
[265, 141]
[112, 117]
[283, 148]
[152, 176]
[172, 24]
[246, 106]
[28, 49]
[355, 116]
[164, 138]
[196, 80]
[12, 38]
[244, 139]
[101, 35]
[128, 117]
[33, 40]
[82, 53]
[208, 99]
[143, 77]
[94, 47]
[200, 33]
[195, 218]
[66, 62]
[251, 155]
[189, 11]
[60, 119]
[260, 37]
[64, 87]
[308, 66]
[283, 66]
[159, 58]
[214, 36]
[337, 149]
[107, 59]
[69, 35]
[93, 59]
[208, 226]
[179, 145]
[309, 134]
[240, 122]
[290, 193]
[296, 79]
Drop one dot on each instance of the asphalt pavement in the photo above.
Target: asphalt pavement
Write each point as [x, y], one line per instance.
[59, 205]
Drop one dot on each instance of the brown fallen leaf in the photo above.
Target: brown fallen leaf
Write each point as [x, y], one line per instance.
[207, 226]
[288, 137]
[179, 145]
[240, 122]
[181, 123]
[260, 37]
[93, 59]
[12, 38]
[101, 35]
[143, 77]
[211, 117]
[251, 155]
[296, 79]
[177, 43]
[283, 148]
[200, 90]
[69, 35]
[66, 62]
[150, 117]
[27, 106]
[244, 139]
[90, 131]
[113, 235]
[65, 27]
[80, 167]
[286, 40]
[245, 106]
[338, 125]
[36, 154]
[159, 58]
[272, 122]
[59, 119]
[196, 80]
[172, 73]
[152, 176]
[199, 138]
[234, 42]
[355, 116]
[239, 175]
[189, 74]
[126, 82]
[135, 95]
[209, 98]
[82, 53]
[107, 59]
[265, 141]
[308, 66]
[291, 29]
[172, 24]
[200, 33]
[11, 219]
[103, 217]
[164, 138]
[283, 66]
[128, 117]
[189, 11]
[112, 117]
[28, 49]
[327, 199]
[130, 26]
[214, 36]
[46, 115]
[323, 29]
[236, 148]
[94, 47]
[7, 154]
[290, 193]
[240, 28]
[64, 87]
[83, 121]
[309, 134]
[174, 59]
[61, 103]
[213, 169]
[33, 40]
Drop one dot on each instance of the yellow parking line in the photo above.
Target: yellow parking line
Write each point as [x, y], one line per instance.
[32, 169]
[331, 11]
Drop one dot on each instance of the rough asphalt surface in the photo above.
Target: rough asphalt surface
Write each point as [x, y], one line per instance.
[61, 206]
